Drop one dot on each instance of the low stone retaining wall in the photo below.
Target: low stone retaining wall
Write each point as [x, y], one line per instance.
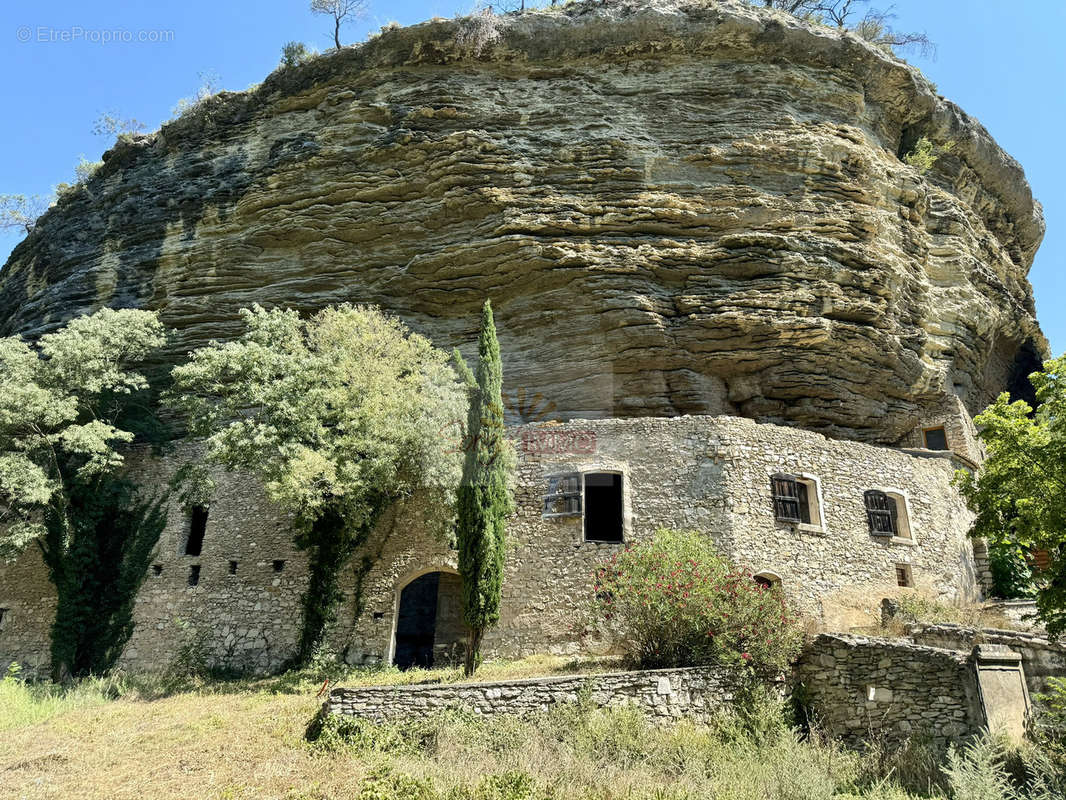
[856, 686]
[1041, 658]
[667, 693]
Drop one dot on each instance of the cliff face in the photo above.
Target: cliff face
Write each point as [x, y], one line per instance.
[683, 208]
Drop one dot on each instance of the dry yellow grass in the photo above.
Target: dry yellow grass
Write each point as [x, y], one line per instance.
[225, 740]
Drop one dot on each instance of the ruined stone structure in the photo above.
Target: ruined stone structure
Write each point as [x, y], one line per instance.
[724, 302]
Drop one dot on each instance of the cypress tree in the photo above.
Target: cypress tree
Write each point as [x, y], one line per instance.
[484, 499]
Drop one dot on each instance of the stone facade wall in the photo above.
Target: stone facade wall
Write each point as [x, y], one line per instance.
[1041, 659]
[710, 474]
[959, 430]
[667, 693]
[856, 685]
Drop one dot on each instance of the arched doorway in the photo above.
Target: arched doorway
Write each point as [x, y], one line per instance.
[429, 622]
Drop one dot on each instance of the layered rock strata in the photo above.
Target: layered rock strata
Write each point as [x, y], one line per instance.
[676, 208]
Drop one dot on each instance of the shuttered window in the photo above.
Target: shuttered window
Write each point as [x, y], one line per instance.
[881, 513]
[791, 502]
[564, 495]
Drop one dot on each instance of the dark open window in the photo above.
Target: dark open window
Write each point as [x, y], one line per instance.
[791, 499]
[564, 495]
[3, 616]
[194, 575]
[881, 513]
[935, 439]
[603, 507]
[197, 528]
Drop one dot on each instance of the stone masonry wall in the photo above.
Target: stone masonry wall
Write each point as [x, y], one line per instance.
[710, 474]
[667, 693]
[1041, 659]
[856, 685]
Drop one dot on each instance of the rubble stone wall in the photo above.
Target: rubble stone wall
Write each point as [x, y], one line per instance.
[710, 474]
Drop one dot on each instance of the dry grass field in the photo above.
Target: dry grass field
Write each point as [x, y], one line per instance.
[158, 738]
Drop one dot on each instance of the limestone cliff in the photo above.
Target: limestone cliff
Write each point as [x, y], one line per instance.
[676, 208]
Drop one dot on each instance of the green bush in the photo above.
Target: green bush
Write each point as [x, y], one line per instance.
[295, 53]
[675, 602]
[925, 154]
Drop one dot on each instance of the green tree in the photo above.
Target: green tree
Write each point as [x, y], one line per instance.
[67, 407]
[1018, 493]
[294, 53]
[340, 415]
[484, 496]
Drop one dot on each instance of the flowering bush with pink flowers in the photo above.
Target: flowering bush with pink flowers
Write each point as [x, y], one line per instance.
[673, 601]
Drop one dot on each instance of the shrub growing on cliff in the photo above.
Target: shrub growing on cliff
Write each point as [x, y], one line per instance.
[67, 406]
[925, 154]
[675, 602]
[339, 415]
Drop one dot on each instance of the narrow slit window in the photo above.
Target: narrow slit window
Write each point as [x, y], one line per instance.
[563, 498]
[194, 545]
[882, 513]
[603, 507]
[903, 575]
[791, 499]
[935, 439]
[194, 575]
[233, 568]
[3, 617]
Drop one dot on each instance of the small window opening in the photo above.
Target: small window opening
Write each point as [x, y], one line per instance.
[795, 499]
[767, 580]
[882, 514]
[603, 507]
[157, 569]
[563, 498]
[279, 565]
[197, 529]
[935, 439]
[3, 616]
[194, 575]
[379, 615]
[233, 568]
[903, 575]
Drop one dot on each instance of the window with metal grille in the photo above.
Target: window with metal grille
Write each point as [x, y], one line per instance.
[903, 575]
[791, 499]
[563, 498]
[882, 513]
[935, 439]
[197, 530]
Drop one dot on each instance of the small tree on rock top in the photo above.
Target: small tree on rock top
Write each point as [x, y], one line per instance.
[484, 497]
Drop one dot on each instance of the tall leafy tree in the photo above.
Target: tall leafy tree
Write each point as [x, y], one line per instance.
[340, 415]
[484, 498]
[68, 405]
[1019, 495]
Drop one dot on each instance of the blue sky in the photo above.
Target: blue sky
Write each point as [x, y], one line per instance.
[1003, 63]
